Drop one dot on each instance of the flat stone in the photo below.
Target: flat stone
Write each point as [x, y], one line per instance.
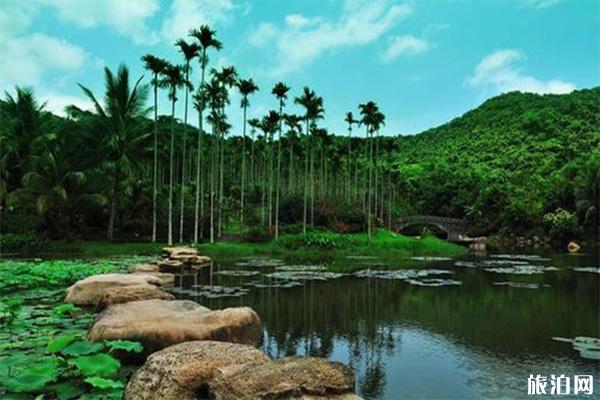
[170, 265]
[181, 371]
[125, 294]
[89, 291]
[161, 323]
[286, 378]
[179, 251]
[143, 268]
[166, 278]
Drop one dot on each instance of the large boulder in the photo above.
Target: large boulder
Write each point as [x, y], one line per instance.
[89, 291]
[179, 251]
[161, 323]
[183, 371]
[125, 294]
[286, 378]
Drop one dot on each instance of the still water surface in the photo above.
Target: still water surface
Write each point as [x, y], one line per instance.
[471, 328]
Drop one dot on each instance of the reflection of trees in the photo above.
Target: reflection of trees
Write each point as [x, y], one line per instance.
[364, 315]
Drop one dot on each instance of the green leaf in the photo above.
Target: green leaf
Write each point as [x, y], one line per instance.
[59, 343]
[82, 348]
[32, 378]
[97, 365]
[65, 309]
[124, 345]
[103, 383]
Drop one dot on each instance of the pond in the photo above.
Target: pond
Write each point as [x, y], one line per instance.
[421, 327]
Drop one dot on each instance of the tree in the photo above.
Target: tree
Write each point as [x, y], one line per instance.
[157, 67]
[175, 80]
[189, 51]
[205, 37]
[350, 121]
[121, 141]
[293, 123]
[280, 91]
[246, 87]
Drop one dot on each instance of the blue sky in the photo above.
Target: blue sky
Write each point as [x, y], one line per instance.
[423, 62]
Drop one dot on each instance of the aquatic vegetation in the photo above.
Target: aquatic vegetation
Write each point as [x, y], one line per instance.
[313, 268]
[260, 262]
[215, 292]
[275, 284]
[466, 264]
[521, 285]
[433, 282]
[402, 274]
[524, 257]
[304, 275]
[588, 347]
[522, 270]
[425, 258]
[237, 272]
[587, 269]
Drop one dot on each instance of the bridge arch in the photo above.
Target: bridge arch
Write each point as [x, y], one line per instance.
[453, 227]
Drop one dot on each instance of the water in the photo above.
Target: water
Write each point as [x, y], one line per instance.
[480, 337]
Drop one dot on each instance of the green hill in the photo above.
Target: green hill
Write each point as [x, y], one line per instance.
[507, 162]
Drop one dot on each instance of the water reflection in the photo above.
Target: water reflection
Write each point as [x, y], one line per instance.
[477, 339]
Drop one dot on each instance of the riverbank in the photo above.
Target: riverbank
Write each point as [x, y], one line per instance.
[316, 244]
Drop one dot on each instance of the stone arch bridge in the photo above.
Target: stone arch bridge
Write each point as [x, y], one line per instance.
[455, 228]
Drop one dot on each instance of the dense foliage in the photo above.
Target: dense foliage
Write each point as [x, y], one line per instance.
[42, 341]
[112, 171]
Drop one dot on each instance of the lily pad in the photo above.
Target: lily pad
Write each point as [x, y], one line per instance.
[234, 272]
[124, 345]
[82, 348]
[104, 383]
[97, 365]
[522, 270]
[59, 343]
[521, 285]
[587, 269]
[32, 378]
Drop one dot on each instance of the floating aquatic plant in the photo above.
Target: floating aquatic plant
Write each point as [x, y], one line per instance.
[304, 275]
[433, 282]
[587, 269]
[521, 285]
[588, 347]
[313, 268]
[260, 262]
[524, 257]
[237, 272]
[522, 270]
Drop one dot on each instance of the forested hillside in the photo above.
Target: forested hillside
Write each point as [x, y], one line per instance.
[508, 162]
[508, 166]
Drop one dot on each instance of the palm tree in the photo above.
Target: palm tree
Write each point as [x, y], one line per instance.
[350, 121]
[189, 51]
[157, 67]
[174, 79]
[313, 106]
[227, 77]
[246, 88]
[207, 40]
[293, 123]
[254, 124]
[122, 106]
[280, 91]
[372, 118]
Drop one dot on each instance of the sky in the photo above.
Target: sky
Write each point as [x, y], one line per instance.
[423, 62]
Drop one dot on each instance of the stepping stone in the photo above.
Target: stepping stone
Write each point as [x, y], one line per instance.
[89, 291]
[144, 268]
[125, 294]
[161, 323]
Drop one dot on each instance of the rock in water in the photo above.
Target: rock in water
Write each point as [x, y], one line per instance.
[125, 294]
[166, 278]
[161, 323]
[182, 371]
[573, 247]
[137, 268]
[89, 291]
[287, 378]
[179, 251]
[170, 265]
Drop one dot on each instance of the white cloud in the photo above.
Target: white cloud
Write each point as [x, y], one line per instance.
[184, 15]
[127, 17]
[57, 102]
[404, 46]
[263, 35]
[303, 39]
[33, 55]
[539, 4]
[497, 71]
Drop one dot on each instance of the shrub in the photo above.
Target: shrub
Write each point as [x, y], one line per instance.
[23, 243]
[257, 234]
[562, 225]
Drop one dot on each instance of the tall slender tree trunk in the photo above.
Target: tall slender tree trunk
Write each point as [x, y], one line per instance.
[213, 148]
[278, 183]
[306, 151]
[271, 176]
[199, 184]
[171, 173]
[370, 194]
[155, 165]
[113, 205]
[243, 186]
[221, 186]
[183, 158]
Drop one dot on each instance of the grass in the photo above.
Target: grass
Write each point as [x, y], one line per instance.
[322, 244]
[313, 245]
